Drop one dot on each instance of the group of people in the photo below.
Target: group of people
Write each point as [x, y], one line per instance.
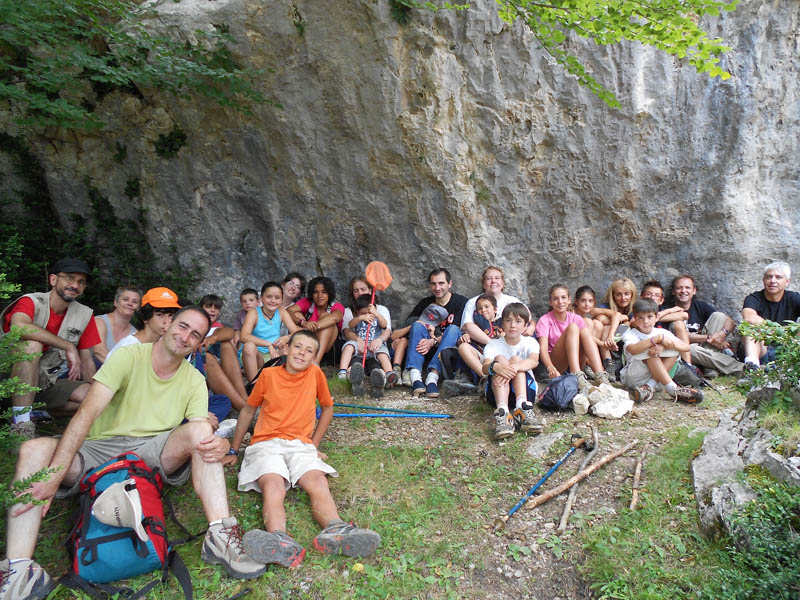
[133, 389]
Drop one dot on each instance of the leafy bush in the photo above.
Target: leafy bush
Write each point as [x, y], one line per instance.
[765, 560]
[785, 339]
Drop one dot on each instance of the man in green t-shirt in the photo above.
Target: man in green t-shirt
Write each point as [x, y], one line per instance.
[137, 402]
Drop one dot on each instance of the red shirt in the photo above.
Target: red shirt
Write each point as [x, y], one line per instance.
[89, 338]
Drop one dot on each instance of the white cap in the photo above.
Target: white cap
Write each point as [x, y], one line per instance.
[119, 505]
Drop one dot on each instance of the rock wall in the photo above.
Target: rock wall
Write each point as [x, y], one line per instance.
[455, 141]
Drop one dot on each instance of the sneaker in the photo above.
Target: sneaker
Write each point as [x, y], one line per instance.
[453, 387]
[26, 430]
[688, 395]
[342, 375]
[273, 548]
[392, 377]
[24, 580]
[406, 378]
[223, 546]
[377, 379]
[503, 424]
[432, 390]
[589, 371]
[643, 393]
[347, 539]
[418, 388]
[357, 379]
[525, 420]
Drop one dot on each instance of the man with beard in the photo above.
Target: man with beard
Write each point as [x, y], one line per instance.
[63, 332]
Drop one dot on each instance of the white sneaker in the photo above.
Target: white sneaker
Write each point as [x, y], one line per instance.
[24, 580]
[223, 546]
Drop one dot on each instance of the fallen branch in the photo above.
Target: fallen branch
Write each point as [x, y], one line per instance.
[574, 491]
[580, 476]
[636, 476]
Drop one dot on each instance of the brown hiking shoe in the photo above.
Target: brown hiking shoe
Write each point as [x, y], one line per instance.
[347, 539]
[643, 393]
[688, 395]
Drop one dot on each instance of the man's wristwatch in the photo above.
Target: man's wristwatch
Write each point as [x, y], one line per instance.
[232, 452]
[491, 367]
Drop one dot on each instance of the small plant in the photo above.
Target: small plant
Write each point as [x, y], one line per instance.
[133, 188]
[785, 370]
[167, 146]
[764, 558]
[121, 153]
[401, 11]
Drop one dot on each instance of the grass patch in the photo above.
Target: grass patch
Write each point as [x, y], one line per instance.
[783, 420]
[657, 550]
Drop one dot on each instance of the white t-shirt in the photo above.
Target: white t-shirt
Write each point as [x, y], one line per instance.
[129, 340]
[633, 336]
[382, 311]
[523, 349]
[469, 307]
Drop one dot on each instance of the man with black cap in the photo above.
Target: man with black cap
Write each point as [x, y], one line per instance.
[63, 332]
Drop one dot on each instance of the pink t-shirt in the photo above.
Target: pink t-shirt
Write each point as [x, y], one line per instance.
[551, 327]
[304, 304]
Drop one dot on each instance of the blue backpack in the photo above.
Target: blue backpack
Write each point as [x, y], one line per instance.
[103, 553]
[559, 393]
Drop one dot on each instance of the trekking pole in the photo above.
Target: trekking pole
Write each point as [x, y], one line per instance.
[395, 415]
[577, 442]
[396, 410]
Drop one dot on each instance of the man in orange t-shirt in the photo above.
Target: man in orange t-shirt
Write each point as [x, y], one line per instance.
[284, 453]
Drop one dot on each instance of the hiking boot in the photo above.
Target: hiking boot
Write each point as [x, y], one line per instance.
[453, 387]
[273, 548]
[347, 539]
[589, 372]
[24, 580]
[583, 383]
[392, 377]
[503, 424]
[418, 388]
[405, 378]
[688, 395]
[643, 393]
[608, 366]
[377, 379]
[432, 390]
[223, 546]
[601, 378]
[525, 419]
[357, 379]
[25, 430]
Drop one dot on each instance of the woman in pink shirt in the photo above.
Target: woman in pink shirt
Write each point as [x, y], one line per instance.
[566, 343]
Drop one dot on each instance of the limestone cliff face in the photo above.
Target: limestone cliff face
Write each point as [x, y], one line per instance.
[454, 141]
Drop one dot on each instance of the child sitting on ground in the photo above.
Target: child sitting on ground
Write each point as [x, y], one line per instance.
[650, 355]
[509, 362]
[365, 325]
[261, 330]
[485, 317]
[248, 299]
[673, 318]
[284, 453]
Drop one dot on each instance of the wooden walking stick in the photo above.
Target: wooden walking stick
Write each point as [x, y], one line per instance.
[574, 491]
[636, 475]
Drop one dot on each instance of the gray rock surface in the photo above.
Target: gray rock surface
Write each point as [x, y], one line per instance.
[717, 470]
[541, 444]
[455, 141]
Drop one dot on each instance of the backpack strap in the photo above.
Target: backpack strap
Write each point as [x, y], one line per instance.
[273, 362]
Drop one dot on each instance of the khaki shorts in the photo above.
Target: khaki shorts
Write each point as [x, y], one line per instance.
[57, 395]
[291, 459]
[95, 452]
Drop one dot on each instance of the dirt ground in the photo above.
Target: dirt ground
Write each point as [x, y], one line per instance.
[539, 575]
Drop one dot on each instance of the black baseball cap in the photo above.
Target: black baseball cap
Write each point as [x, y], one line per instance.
[70, 265]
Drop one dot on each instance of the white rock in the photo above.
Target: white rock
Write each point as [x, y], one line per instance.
[580, 404]
[613, 408]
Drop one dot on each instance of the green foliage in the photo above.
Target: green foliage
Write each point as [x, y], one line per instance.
[785, 339]
[133, 188]
[765, 561]
[59, 57]
[669, 25]
[167, 146]
[401, 11]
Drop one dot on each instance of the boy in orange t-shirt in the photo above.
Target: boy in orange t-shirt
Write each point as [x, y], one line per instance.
[284, 453]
